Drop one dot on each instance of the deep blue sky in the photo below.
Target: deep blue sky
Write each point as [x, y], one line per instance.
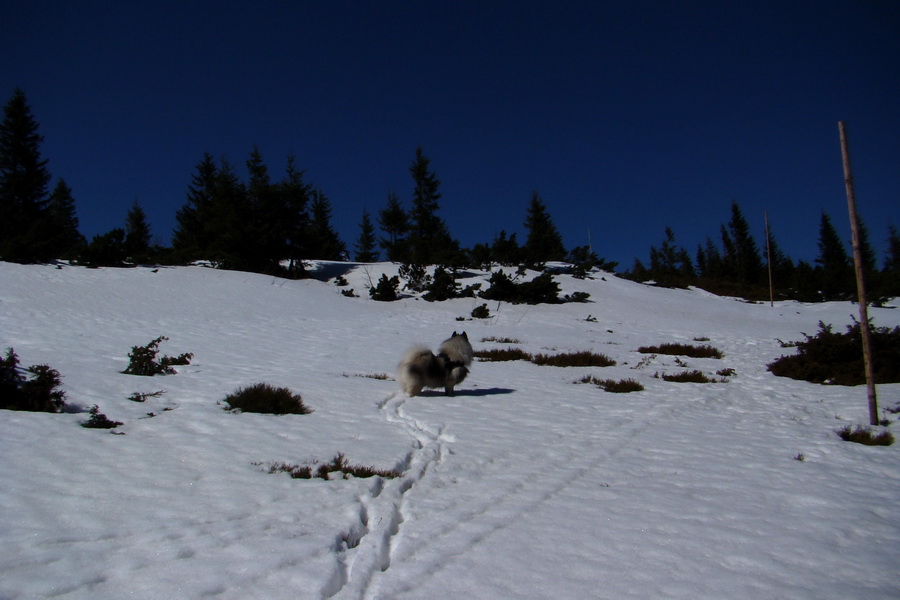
[624, 116]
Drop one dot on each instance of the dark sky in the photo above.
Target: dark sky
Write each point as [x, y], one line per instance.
[625, 117]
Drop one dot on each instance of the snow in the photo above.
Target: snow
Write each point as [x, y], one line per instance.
[523, 485]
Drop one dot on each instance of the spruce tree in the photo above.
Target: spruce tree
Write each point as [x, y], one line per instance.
[191, 239]
[430, 240]
[137, 235]
[875, 292]
[394, 222]
[709, 261]
[782, 266]
[669, 264]
[24, 178]
[544, 242]
[294, 194]
[891, 271]
[324, 240]
[365, 246]
[269, 218]
[742, 254]
[63, 238]
[228, 227]
[505, 250]
[835, 271]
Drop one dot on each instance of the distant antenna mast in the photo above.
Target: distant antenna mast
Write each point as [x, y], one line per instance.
[860, 280]
[769, 260]
[590, 245]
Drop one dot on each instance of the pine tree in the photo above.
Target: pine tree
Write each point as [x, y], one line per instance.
[228, 227]
[835, 271]
[741, 252]
[269, 218]
[394, 222]
[63, 238]
[23, 183]
[544, 242]
[782, 265]
[191, 239]
[430, 240]
[891, 271]
[365, 246]
[709, 261]
[137, 235]
[669, 264]
[875, 292]
[294, 194]
[505, 250]
[325, 243]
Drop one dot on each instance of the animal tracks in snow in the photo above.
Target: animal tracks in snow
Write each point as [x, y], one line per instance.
[366, 548]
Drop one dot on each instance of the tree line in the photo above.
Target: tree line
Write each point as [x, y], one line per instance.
[739, 266]
[262, 224]
[272, 224]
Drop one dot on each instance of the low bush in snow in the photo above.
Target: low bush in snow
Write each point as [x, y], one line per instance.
[540, 290]
[143, 362]
[481, 312]
[864, 435]
[622, 386]
[386, 289]
[267, 399]
[837, 358]
[502, 354]
[694, 376]
[689, 350]
[574, 359]
[338, 464]
[39, 393]
[500, 340]
[98, 420]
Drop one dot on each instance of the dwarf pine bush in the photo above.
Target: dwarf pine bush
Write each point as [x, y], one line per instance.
[98, 420]
[386, 289]
[38, 393]
[837, 358]
[143, 362]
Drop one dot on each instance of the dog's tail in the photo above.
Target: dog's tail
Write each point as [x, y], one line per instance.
[413, 370]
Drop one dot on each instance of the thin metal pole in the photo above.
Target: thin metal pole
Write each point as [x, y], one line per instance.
[860, 280]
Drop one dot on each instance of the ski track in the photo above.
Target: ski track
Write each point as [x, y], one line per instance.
[367, 548]
[455, 531]
[371, 545]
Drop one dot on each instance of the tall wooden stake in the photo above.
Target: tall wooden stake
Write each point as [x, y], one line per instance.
[769, 260]
[860, 281]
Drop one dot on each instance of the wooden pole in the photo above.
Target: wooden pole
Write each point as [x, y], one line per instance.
[769, 260]
[860, 280]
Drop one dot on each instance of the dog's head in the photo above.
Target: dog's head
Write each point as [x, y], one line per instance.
[462, 335]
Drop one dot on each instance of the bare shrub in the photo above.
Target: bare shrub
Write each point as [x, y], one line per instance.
[267, 399]
[864, 435]
[691, 351]
[502, 354]
[574, 359]
[694, 376]
[338, 464]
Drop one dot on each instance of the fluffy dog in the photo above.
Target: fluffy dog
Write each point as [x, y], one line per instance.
[420, 368]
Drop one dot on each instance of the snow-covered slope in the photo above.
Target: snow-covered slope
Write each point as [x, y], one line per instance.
[523, 485]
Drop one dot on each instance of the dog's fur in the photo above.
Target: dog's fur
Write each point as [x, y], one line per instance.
[420, 368]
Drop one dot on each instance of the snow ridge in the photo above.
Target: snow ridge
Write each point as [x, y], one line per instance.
[366, 549]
